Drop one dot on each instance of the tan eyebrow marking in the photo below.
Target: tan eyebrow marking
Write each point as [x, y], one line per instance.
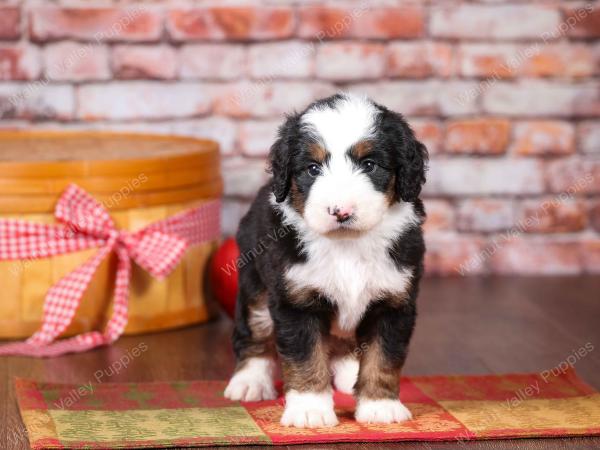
[361, 149]
[318, 153]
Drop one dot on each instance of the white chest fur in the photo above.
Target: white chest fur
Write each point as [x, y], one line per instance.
[353, 272]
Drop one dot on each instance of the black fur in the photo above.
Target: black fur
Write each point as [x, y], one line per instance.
[396, 137]
[281, 154]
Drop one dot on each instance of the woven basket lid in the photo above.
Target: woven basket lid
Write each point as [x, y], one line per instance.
[153, 169]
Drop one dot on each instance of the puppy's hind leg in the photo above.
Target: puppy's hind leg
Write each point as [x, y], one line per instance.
[344, 364]
[253, 345]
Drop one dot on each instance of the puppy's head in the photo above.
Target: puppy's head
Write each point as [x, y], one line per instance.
[344, 161]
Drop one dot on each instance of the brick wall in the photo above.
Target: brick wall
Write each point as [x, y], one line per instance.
[504, 94]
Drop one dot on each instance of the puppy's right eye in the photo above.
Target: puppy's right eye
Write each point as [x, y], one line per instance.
[314, 170]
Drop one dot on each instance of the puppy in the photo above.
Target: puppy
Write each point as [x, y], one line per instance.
[331, 258]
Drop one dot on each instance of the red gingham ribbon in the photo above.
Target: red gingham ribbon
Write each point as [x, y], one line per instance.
[85, 224]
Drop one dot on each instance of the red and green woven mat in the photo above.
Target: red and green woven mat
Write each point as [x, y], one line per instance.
[195, 413]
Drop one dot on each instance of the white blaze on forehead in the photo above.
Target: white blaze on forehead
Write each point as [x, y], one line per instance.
[351, 120]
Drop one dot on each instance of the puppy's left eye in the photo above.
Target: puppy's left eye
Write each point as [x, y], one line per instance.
[314, 170]
[368, 165]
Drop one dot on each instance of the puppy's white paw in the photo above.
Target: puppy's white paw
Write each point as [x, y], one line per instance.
[345, 373]
[309, 410]
[253, 382]
[381, 411]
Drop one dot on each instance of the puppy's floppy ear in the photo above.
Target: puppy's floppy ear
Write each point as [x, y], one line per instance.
[411, 155]
[410, 175]
[280, 157]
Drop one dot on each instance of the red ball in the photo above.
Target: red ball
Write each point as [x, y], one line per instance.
[224, 275]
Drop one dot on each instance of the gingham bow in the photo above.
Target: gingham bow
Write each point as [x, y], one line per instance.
[85, 224]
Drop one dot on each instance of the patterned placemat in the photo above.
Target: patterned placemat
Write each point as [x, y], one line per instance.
[195, 413]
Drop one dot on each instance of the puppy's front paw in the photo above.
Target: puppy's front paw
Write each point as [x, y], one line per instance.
[309, 410]
[249, 390]
[381, 411]
[253, 382]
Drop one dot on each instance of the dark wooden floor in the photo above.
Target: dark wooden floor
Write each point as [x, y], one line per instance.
[466, 326]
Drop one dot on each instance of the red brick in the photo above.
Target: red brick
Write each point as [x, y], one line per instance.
[589, 137]
[419, 60]
[455, 98]
[389, 23]
[326, 22]
[451, 254]
[291, 59]
[479, 136]
[493, 21]
[521, 256]
[440, 216]
[484, 176]
[425, 97]
[560, 60]
[10, 22]
[587, 100]
[574, 176]
[330, 22]
[544, 138]
[36, 101]
[142, 100]
[19, 62]
[531, 60]
[77, 62]
[220, 129]
[422, 98]
[583, 21]
[216, 61]
[343, 61]
[256, 137]
[231, 23]
[429, 133]
[141, 61]
[268, 99]
[485, 215]
[139, 23]
[552, 215]
[539, 98]
[488, 60]
[590, 253]
[594, 212]
[407, 97]
[243, 177]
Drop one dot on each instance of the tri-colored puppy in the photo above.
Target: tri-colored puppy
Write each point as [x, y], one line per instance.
[331, 258]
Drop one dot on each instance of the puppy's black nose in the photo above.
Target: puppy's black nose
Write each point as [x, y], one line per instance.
[341, 214]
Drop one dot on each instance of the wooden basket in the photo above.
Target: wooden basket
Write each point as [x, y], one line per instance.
[140, 179]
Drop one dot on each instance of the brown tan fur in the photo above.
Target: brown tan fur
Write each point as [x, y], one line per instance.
[390, 193]
[361, 149]
[297, 198]
[310, 375]
[341, 347]
[303, 296]
[262, 331]
[394, 299]
[259, 319]
[377, 378]
[317, 153]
